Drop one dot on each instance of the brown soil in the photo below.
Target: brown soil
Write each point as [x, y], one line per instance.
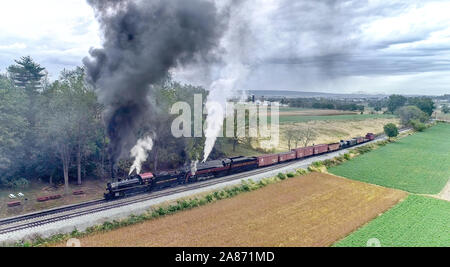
[314, 210]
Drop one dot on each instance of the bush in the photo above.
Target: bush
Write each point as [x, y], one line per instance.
[282, 176]
[418, 126]
[290, 175]
[446, 109]
[364, 149]
[329, 163]
[15, 183]
[317, 164]
[302, 171]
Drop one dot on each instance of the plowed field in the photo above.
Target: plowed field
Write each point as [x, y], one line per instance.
[314, 210]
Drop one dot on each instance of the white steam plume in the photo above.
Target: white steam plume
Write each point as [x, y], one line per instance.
[140, 153]
[231, 74]
[221, 91]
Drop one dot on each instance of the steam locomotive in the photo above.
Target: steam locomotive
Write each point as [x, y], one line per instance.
[147, 182]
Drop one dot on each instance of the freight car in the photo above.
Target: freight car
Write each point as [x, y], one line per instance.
[334, 147]
[268, 160]
[304, 152]
[147, 182]
[320, 149]
[287, 156]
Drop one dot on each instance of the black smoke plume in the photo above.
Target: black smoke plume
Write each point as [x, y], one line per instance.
[142, 42]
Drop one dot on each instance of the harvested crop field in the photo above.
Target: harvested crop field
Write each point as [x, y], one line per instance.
[333, 131]
[357, 117]
[418, 163]
[417, 221]
[314, 210]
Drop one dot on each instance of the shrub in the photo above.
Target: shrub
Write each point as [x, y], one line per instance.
[209, 198]
[282, 176]
[446, 109]
[329, 163]
[317, 164]
[302, 171]
[364, 149]
[418, 126]
[290, 175]
[15, 183]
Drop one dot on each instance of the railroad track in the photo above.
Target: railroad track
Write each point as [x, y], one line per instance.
[68, 212]
[24, 222]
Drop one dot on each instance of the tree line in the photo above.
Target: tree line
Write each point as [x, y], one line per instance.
[324, 103]
[55, 132]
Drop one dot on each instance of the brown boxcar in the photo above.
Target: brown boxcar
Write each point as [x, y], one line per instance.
[268, 160]
[334, 147]
[320, 149]
[304, 152]
[287, 156]
[360, 140]
[370, 136]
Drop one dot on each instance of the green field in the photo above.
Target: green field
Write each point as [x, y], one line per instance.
[356, 117]
[419, 163]
[417, 221]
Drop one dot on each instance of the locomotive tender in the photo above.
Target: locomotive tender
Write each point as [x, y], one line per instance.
[148, 182]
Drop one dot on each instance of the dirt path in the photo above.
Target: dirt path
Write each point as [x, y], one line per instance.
[445, 194]
[315, 210]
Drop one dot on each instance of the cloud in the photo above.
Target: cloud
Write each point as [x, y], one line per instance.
[57, 34]
[286, 44]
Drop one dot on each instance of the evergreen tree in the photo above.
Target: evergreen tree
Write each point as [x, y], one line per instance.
[27, 74]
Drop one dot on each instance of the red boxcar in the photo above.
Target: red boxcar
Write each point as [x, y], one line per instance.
[320, 149]
[55, 197]
[42, 199]
[14, 204]
[370, 136]
[334, 147]
[287, 156]
[268, 160]
[359, 140]
[304, 152]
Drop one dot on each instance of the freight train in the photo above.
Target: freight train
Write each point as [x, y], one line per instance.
[148, 182]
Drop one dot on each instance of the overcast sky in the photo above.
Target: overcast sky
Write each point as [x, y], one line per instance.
[304, 45]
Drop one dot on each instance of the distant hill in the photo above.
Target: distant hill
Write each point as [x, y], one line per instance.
[296, 94]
